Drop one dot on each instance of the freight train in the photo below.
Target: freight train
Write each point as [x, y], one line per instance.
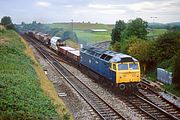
[120, 69]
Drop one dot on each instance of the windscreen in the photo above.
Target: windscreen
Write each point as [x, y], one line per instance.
[133, 66]
[123, 66]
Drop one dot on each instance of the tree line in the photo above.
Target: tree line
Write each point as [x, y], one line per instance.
[164, 51]
[7, 22]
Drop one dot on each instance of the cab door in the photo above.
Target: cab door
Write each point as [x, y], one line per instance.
[113, 69]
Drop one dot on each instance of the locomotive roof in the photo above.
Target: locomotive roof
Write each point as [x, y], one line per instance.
[109, 55]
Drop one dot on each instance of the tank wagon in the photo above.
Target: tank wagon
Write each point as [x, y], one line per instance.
[120, 69]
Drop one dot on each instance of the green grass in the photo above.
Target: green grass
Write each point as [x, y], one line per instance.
[172, 89]
[156, 32]
[81, 26]
[21, 95]
[151, 75]
[92, 37]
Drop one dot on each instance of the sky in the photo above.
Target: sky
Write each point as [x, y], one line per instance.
[101, 11]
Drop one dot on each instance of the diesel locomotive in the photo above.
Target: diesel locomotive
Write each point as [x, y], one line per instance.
[120, 69]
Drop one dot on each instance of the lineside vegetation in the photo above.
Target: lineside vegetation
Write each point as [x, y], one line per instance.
[20, 88]
[163, 51]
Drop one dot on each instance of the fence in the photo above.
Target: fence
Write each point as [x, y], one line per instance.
[164, 76]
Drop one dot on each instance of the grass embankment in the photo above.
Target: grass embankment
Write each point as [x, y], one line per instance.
[22, 84]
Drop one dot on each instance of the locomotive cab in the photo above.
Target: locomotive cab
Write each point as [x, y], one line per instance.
[125, 73]
[128, 72]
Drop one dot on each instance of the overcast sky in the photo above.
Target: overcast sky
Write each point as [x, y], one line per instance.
[101, 11]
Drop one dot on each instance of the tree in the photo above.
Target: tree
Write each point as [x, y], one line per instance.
[6, 21]
[69, 35]
[116, 46]
[143, 50]
[167, 45]
[117, 32]
[137, 27]
[176, 74]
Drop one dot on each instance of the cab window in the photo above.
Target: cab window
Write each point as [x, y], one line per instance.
[114, 66]
[123, 66]
[133, 66]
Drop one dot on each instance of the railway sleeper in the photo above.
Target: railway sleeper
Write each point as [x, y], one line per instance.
[168, 108]
[110, 114]
[104, 110]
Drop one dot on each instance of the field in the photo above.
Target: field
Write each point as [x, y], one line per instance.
[84, 35]
[22, 96]
[81, 26]
[92, 37]
[156, 32]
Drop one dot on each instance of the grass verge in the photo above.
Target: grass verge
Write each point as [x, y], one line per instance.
[47, 86]
[171, 89]
[20, 86]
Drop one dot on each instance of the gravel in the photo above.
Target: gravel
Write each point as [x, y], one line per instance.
[173, 99]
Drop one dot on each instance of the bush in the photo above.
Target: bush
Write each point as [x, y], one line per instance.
[2, 29]
[167, 45]
[142, 50]
[176, 74]
[167, 64]
[7, 22]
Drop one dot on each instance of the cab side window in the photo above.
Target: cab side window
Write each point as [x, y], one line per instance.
[114, 66]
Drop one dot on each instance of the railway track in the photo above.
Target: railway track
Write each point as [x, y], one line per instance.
[103, 45]
[147, 93]
[143, 103]
[103, 109]
[148, 109]
[161, 103]
[150, 105]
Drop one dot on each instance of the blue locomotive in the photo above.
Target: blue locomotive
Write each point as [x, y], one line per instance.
[120, 69]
